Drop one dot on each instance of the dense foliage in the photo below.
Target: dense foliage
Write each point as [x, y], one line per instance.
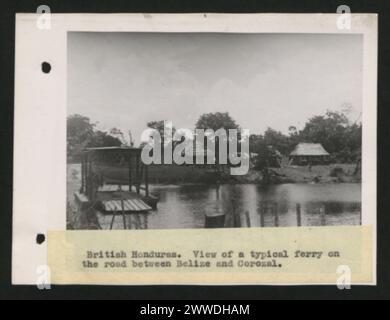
[340, 137]
[81, 134]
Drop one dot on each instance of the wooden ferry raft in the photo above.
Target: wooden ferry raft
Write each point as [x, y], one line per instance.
[127, 201]
[109, 193]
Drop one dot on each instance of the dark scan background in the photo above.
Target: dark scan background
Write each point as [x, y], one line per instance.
[7, 30]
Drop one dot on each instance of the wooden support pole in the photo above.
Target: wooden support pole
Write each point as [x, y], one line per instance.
[130, 222]
[113, 218]
[137, 174]
[146, 181]
[129, 164]
[141, 176]
[145, 220]
[138, 221]
[85, 175]
[299, 217]
[82, 189]
[123, 215]
[88, 178]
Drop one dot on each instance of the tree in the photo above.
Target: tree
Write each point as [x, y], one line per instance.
[160, 127]
[117, 133]
[266, 151]
[216, 121]
[329, 130]
[269, 147]
[81, 134]
[103, 139]
[293, 138]
[276, 140]
[166, 138]
[266, 154]
[335, 133]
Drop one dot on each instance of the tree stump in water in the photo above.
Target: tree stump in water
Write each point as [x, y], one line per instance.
[215, 216]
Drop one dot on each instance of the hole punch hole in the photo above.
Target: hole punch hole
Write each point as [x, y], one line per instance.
[46, 67]
[40, 238]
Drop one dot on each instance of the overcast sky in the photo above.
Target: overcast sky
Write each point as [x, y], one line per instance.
[124, 80]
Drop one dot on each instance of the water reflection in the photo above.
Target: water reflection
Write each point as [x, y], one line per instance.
[319, 205]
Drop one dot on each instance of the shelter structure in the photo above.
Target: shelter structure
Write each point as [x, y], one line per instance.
[309, 153]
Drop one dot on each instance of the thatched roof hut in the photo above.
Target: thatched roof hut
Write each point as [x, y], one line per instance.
[309, 149]
[305, 153]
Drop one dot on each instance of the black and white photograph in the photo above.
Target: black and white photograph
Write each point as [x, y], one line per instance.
[213, 130]
[194, 156]
[195, 149]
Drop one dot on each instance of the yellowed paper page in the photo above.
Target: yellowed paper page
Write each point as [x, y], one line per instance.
[223, 256]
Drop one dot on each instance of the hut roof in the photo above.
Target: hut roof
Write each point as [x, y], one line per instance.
[309, 149]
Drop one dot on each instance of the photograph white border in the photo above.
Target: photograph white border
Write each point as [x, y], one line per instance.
[39, 203]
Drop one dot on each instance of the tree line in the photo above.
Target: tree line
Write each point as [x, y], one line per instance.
[337, 134]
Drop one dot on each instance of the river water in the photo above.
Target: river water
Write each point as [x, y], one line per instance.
[186, 206]
[320, 204]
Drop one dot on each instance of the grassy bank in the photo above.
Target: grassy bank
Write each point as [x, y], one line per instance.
[332, 173]
[186, 174]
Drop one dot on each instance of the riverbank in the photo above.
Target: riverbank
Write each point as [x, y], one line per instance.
[184, 205]
[190, 174]
[183, 175]
[332, 173]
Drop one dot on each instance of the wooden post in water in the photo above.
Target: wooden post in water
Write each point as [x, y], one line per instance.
[299, 218]
[236, 220]
[214, 221]
[262, 213]
[236, 215]
[323, 215]
[215, 216]
[248, 219]
[275, 209]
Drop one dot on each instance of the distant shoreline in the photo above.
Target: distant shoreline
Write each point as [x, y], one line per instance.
[163, 175]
